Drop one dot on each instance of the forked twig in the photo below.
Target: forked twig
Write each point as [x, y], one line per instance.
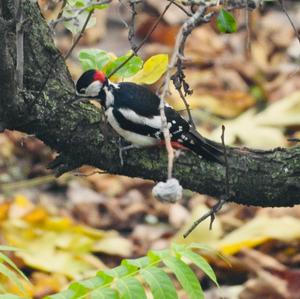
[135, 51]
[218, 206]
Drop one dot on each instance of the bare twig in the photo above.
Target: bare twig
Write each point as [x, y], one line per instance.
[11, 187]
[289, 18]
[78, 12]
[60, 13]
[19, 44]
[80, 34]
[187, 105]
[218, 206]
[80, 174]
[131, 31]
[67, 54]
[143, 41]
[211, 213]
[182, 8]
[176, 57]
[248, 30]
[227, 188]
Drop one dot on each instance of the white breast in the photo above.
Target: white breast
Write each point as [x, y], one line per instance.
[132, 137]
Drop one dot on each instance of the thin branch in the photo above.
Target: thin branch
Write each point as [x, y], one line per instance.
[174, 60]
[227, 187]
[143, 41]
[182, 8]
[289, 18]
[218, 206]
[78, 12]
[211, 213]
[67, 54]
[131, 31]
[19, 44]
[30, 183]
[60, 13]
[80, 174]
[79, 35]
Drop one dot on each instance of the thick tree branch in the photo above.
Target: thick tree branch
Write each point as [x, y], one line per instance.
[262, 178]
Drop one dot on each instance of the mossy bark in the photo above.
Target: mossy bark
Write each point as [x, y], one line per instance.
[77, 132]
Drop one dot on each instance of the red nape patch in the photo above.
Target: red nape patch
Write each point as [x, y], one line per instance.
[99, 76]
[175, 145]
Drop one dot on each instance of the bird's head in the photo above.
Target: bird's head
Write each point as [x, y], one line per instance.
[91, 83]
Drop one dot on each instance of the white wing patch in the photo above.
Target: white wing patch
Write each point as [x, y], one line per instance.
[128, 135]
[154, 122]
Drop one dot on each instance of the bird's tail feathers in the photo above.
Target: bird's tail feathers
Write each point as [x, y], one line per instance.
[206, 148]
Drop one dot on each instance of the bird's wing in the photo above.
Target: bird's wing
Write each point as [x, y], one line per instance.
[137, 98]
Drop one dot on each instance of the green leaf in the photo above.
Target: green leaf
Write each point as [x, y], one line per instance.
[78, 290]
[12, 276]
[157, 255]
[200, 262]
[4, 258]
[8, 248]
[128, 70]
[130, 288]
[10, 296]
[226, 22]
[152, 69]
[93, 59]
[141, 262]
[66, 294]
[105, 293]
[178, 248]
[97, 6]
[106, 277]
[82, 288]
[185, 276]
[91, 283]
[122, 270]
[160, 284]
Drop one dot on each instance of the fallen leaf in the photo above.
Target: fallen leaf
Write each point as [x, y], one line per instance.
[258, 231]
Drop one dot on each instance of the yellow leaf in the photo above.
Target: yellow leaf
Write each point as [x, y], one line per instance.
[4, 208]
[22, 201]
[114, 245]
[258, 231]
[20, 207]
[38, 214]
[152, 70]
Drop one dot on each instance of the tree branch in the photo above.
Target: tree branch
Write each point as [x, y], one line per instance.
[261, 178]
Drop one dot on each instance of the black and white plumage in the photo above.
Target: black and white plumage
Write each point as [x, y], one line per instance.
[133, 112]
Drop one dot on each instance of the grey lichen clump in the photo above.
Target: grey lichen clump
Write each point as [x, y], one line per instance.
[169, 191]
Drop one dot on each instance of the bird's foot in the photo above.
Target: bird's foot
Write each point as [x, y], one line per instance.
[123, 149]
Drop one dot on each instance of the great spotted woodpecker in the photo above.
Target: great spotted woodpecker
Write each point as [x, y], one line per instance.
[133, 112]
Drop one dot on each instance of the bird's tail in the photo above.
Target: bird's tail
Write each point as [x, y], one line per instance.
[206, 148]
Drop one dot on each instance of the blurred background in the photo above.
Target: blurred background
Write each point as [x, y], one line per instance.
[79, 223]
